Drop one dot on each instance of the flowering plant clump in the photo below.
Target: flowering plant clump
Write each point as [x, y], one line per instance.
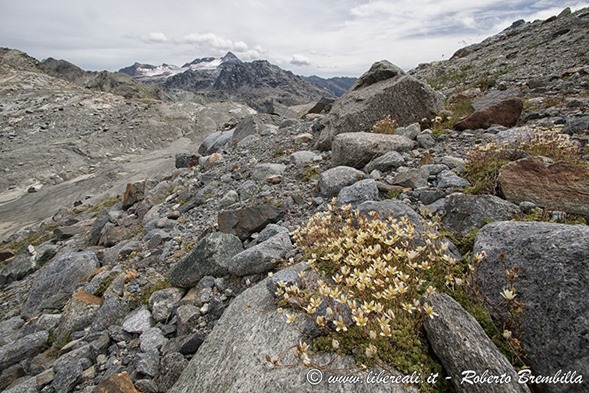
[483, 162]
[386, 125]
[374, 273]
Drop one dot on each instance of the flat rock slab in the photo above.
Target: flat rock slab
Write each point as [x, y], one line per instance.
[558, 186]
[232, 358]
[465, 350]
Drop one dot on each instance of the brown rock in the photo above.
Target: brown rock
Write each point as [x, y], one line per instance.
[560, 186]
[505, 113]
[135, 192]
[244, 222]
[118, 383]
[78, 313]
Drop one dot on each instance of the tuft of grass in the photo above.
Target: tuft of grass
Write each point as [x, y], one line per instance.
[106, 203]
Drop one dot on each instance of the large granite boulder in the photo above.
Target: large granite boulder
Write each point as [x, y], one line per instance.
[383, 90]
[553, 284]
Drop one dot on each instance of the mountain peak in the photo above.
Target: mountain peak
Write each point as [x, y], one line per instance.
[230, 58]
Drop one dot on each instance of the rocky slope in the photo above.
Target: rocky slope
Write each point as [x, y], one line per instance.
[544, 62]
[166, 288]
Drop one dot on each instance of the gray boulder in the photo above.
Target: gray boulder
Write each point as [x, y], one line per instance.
[303, 157]
[232, 357]
[270, 231]
[185, 160]
[383, 90]
[467, 212]
[259, 258]
[362, 191]
[162, 303]
[411, 131]
[27, 386]
[24, 348]
[10, 330]
[152, 339]
[385, 163]
[448, 179]
[171, 367]
[16, 269]
[553, 284]
[215, 142]
[464, 348]
[138, 321]
[333, 180]
[147, 363]
[426, 140]
[57, 280]
[356, 149]
[114, 307]
[262, 172]
[412, 177]
[187, 318]
[243, 222]
[78, 313]
[210, 257]
[250, 125]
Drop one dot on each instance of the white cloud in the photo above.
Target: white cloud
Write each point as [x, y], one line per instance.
[155, 37]
[300, 60]
[214, 41]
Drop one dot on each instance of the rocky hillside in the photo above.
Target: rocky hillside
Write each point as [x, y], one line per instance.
[465, 261]
[108, 82]
[546, 62]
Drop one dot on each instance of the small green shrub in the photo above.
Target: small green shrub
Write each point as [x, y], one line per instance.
[311, 173]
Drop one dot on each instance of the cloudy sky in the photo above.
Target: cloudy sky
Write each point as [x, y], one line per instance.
[326, 38]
